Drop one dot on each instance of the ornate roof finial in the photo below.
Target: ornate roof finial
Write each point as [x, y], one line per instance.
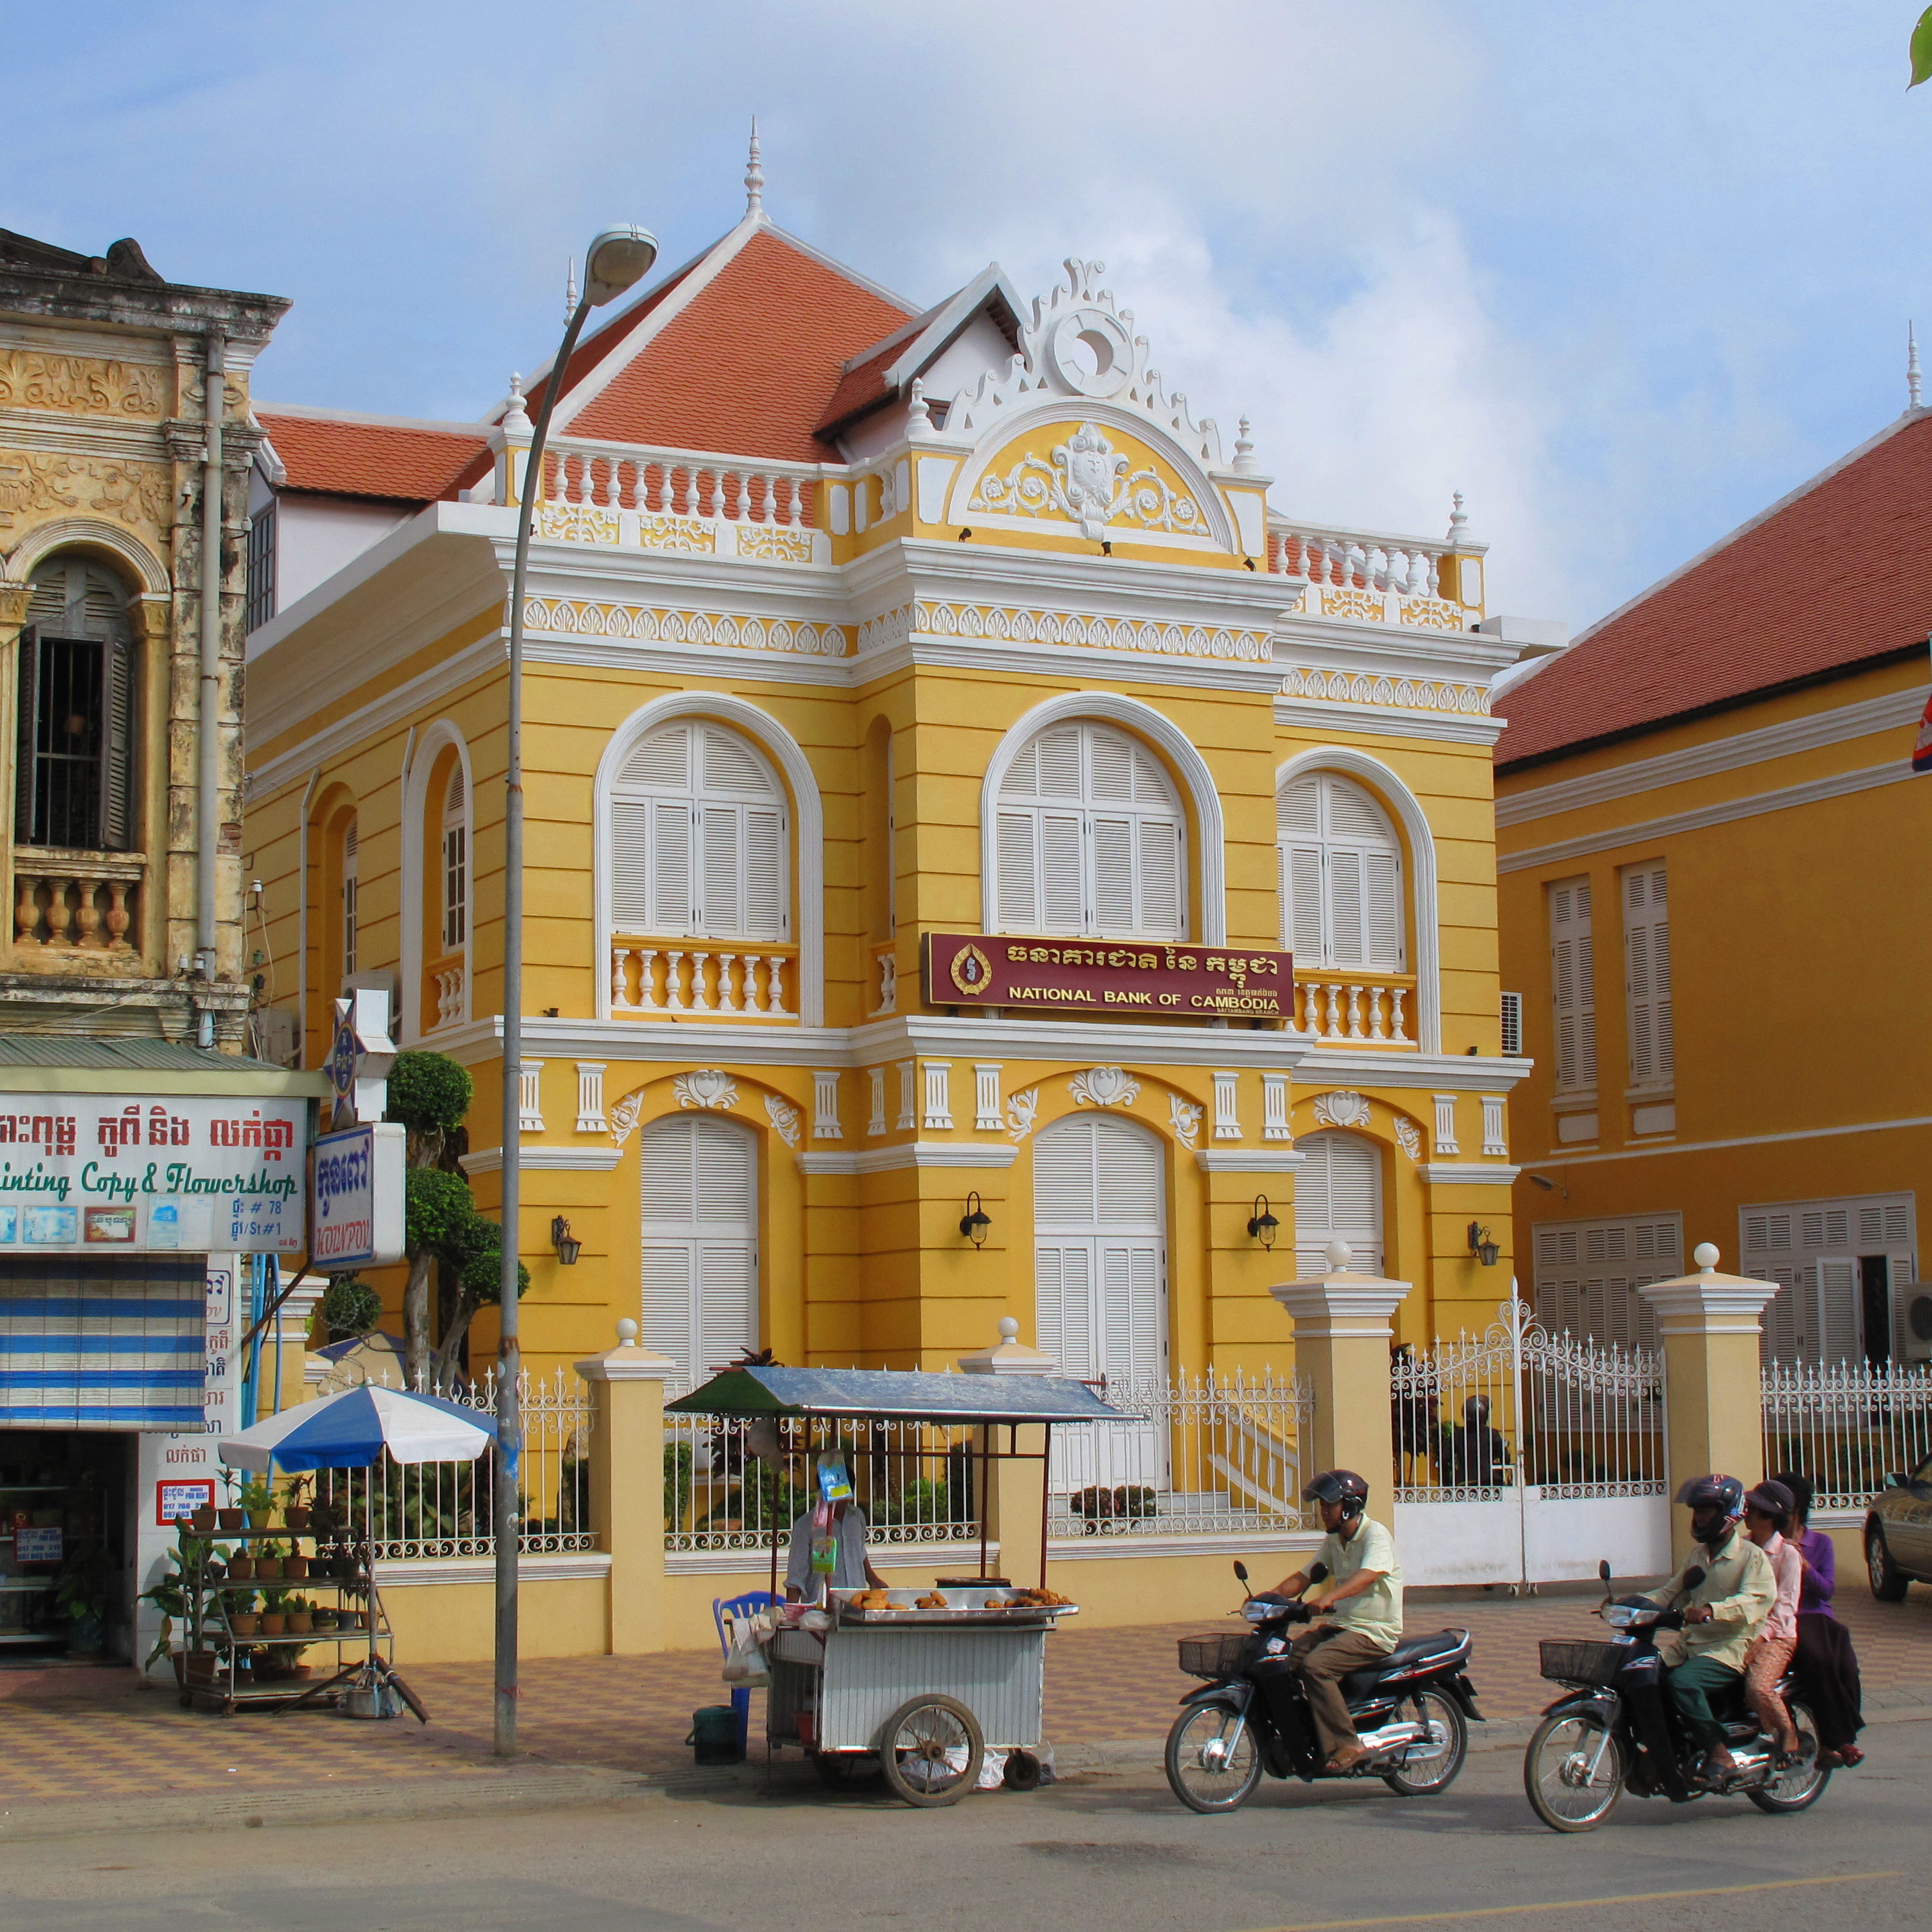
[515, 416]
[570, 291]
[1244, 449]
[754, 179]
[1459, 521]
[919, 412]
[1914, 395]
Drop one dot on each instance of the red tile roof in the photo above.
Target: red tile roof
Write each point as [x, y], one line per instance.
[399, 462]
[749, 366]
[1836, 574]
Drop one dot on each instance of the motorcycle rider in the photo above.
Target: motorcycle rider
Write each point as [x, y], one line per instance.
[1723, 1613]
[1359, 1602]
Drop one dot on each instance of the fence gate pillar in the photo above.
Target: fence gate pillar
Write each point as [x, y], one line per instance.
[1710, 1325]
[627, 1488]
[1015, 1501]
[1342, 1339]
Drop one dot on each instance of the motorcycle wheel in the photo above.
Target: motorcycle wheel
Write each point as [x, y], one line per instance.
[1560, 1751]
[1801, 1787]
[1208, 1783]
[1423, 1777]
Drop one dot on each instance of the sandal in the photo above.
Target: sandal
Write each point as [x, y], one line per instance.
[1341, 1764]
[1849, 1755]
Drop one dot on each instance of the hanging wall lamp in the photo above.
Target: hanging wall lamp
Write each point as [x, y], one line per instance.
[974, 1222]
[1482, 1245]
[1262, 1223]
[568, 1246]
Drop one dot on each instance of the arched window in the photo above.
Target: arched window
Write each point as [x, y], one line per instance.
[699, 837]
[1338, 1197]
[1341, 876]
[75, 761]
[455, 864]
[345, 898]
[1091, 840]
[699, 1242]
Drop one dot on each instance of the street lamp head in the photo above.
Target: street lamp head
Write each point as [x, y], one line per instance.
[618, 260]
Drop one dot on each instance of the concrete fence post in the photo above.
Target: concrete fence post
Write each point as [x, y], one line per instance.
[1713, 1400]
[1015, 1491]
[627, 1488]
[1343, 1335]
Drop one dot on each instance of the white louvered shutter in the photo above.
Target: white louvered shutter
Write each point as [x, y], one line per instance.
[1089, 839]
[1340, 866]
[1837, 1324]
[1647, 975]
[699, 1242]
[1338, 1197]
[1573, 976]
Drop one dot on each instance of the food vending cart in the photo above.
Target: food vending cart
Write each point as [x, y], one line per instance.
[917, 1685]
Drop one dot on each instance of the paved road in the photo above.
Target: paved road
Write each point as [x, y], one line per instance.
[1108, 1852]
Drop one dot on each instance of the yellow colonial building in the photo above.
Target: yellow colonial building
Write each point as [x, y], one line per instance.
[860, 631]
[1710, 833]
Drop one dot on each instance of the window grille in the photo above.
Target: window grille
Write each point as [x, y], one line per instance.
[1512, 1023]
[261, 598]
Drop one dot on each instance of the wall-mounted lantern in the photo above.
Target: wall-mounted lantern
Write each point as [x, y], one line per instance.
[975, 1222]
[1262, 1223]
[568, 1246]
[1482, 1245]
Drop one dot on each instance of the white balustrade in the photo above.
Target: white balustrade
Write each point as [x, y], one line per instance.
[886, 966]
[614, 477]
[1352, 1008]
[662, 977]
[1357, 562]
[449, 996]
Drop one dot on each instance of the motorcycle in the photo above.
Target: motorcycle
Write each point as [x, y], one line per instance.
[1411, 1711]
[1615, 1728]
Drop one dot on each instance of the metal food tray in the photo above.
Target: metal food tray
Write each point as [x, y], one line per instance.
[963, 1606]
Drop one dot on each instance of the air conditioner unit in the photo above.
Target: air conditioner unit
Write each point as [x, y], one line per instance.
[1917, 1325]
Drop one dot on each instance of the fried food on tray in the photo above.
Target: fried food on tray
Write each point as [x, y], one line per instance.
[869, 1600]
[933, 1602]
[1044, 1599]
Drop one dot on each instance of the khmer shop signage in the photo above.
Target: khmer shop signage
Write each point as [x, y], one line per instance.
[1122, 979]
[93, 1173]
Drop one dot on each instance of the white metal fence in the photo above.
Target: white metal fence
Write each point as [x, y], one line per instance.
[444, 1509]
[1847, 1428]
[1199, 1455]
[729, 1482]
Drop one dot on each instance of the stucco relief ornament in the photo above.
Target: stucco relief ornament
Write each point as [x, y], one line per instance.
[624, 1116]
[708, 1087]
[1407, 1138]
[1186, 1117]
[1088, 490]
[1022, 1109]
[1343, 1108]
[1104, 1087]
[784, 1119]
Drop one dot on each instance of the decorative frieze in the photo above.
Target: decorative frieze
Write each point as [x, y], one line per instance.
[1020, 625]
[81, 385]
[573, 617]
[1408, 694]
[137, 494]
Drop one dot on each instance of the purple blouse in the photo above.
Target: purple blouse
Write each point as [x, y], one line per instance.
[1821, 1571]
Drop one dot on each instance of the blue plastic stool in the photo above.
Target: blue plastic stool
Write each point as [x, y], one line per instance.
[723, 1608]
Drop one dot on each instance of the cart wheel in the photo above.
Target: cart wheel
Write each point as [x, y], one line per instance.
[846, 1771]
[931, 1751]
[187, 1700]
[1023, 1772]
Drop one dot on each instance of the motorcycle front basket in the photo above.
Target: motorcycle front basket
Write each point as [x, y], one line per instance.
[1213, 1657]
[1565, 1662]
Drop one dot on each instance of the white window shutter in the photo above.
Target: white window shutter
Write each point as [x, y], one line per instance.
[1305, 933]
[1062, 869]
[1647, 975]
[720, 910]
[767, 907]
[667, 856]
[699, 1242]
[631, 866]
[1837, 1322]
[1573, 986]
[1382, 912]
[1338, 1197]
[1342, 876]
[1345, 901]
[1018, 858]
[1114, 865]
[1163, 905]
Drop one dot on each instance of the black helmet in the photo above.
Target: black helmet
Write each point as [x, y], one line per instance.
[1725, 1493]
[1339, 1486]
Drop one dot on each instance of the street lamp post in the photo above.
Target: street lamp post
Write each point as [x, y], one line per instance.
[618, 260]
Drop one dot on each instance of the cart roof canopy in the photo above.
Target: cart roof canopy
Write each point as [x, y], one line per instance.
[884, 1395]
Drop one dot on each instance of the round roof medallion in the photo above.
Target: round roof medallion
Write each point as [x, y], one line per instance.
[1090, 351]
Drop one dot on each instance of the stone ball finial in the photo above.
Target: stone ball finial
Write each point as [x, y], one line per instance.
[627, 1333]
[1009, 1330]
[1338, 1253]
[1706, 1255]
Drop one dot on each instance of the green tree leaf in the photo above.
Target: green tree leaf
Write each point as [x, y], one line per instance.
[1921, 50]
[436, 1206]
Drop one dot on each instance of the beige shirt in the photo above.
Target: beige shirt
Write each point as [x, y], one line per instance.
[1740, 1588]
[1782, 1626]
[1376, 1614]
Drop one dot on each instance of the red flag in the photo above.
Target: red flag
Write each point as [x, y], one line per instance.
[1921, 751]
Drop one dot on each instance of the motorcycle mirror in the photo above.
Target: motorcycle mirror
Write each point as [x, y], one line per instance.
[1604, 1571]
[1240, 1571]
[1692, 1576]
[1317, 1573]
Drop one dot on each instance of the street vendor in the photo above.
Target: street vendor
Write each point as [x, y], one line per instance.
[828, 1541]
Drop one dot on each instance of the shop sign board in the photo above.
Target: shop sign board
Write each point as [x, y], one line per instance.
[33, 1545]
[175, 1499]
[99, 1174]
[1120, 978]
[355, 1198]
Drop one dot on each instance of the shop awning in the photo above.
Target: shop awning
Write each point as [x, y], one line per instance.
[892, 1395]
[58, 1063]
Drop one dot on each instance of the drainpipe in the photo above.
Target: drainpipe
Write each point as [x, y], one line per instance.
[208, 801]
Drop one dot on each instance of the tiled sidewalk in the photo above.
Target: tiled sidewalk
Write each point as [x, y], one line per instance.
[631, 1713]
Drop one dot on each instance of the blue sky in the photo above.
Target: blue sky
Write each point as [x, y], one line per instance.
[1623, 273]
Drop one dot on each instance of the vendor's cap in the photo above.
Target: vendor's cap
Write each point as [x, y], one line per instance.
[1771, 1497]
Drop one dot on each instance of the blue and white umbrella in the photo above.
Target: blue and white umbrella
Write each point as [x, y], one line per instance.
[351, 1430]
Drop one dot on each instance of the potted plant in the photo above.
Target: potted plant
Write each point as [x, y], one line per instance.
[80, 1598]
[243, 1618]
[295, 1563]
[275, 1613]
[232, 1518]
[240, 1567]
[259, 1501]
[296, 1512]
[169, 1596]
[298, 1611]
[203, 1520]
[268, 1561]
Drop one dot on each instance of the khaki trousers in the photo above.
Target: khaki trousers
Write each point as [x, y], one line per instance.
[1767, 1660]
[1324, 1656]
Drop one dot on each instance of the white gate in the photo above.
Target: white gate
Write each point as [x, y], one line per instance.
[1523, 1457]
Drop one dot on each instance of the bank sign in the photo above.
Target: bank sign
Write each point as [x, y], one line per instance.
[93, 1173]
[1126, 980]
[356, 1208]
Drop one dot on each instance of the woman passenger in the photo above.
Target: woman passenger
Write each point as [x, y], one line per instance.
[1767, 1512]
[1826, 1664]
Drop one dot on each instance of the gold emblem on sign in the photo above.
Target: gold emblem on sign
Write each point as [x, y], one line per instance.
[972, 971]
